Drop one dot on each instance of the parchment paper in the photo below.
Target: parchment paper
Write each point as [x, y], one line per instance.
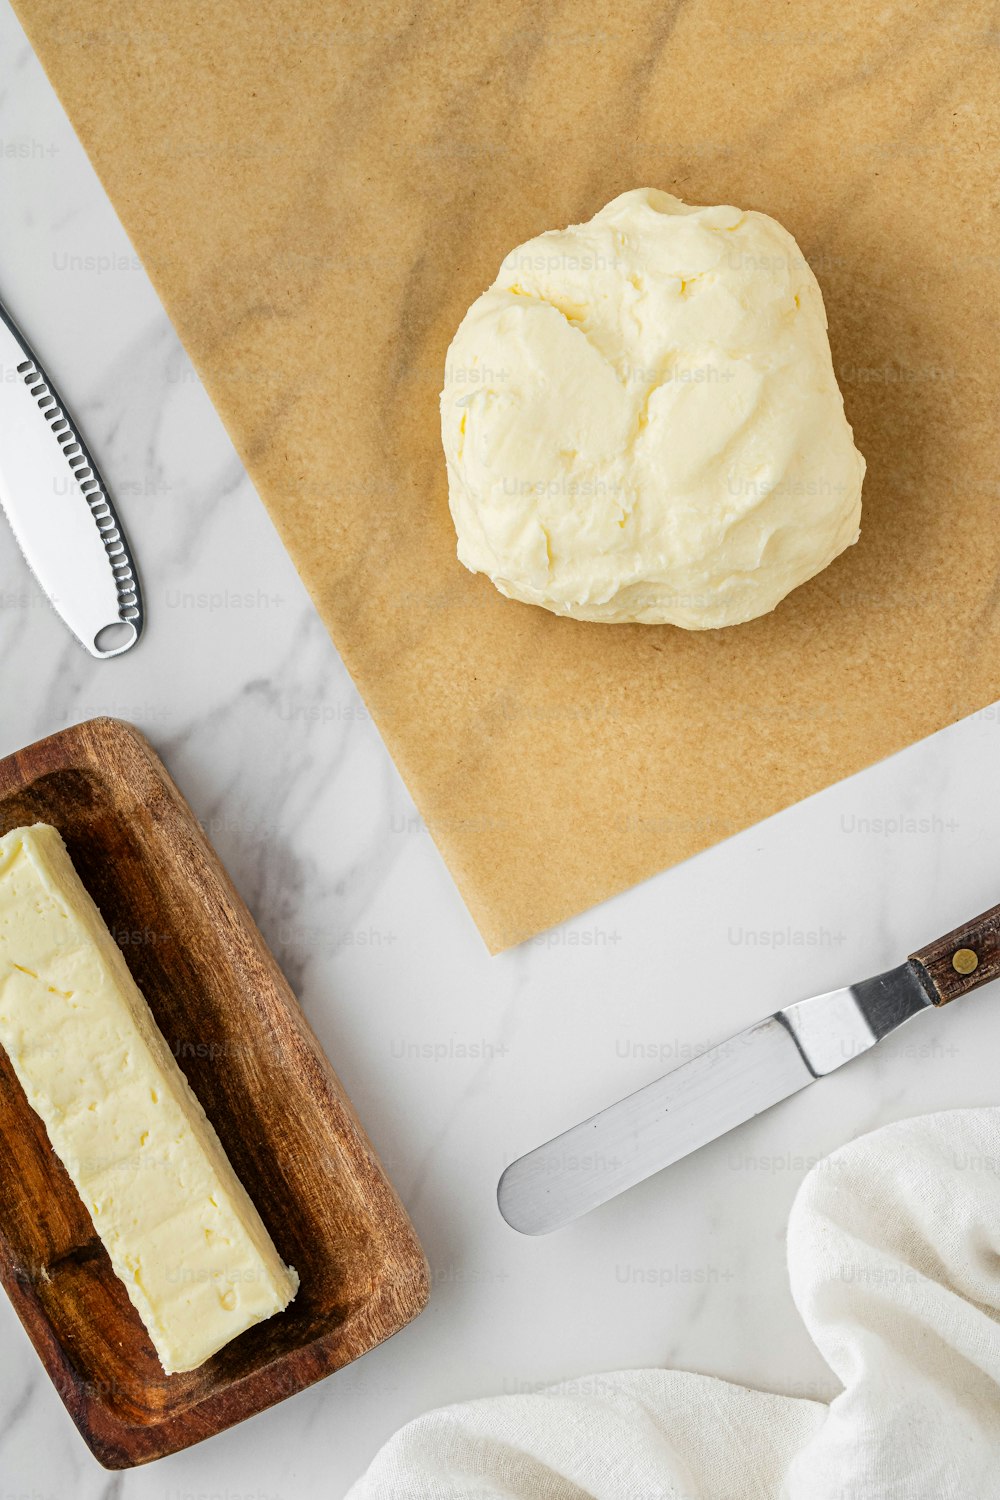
[319, 191]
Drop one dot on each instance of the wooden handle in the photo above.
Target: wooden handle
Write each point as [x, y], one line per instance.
[962, 960]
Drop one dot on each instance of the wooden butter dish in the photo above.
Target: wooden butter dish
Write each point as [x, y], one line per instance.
[288, 1128]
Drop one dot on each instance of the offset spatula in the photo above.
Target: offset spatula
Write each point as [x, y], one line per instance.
[59, 508]
[737, 1080]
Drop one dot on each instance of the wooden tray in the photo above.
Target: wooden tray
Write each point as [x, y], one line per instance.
[291, 1134]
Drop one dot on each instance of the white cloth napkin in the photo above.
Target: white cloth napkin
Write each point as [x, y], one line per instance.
[894, 1259]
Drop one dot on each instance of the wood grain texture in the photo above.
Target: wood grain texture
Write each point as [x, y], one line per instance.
[368, 167]
[238, 1033]
[947, 979]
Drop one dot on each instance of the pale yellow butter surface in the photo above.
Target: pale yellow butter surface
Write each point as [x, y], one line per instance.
[641, 419]
[179, 1227]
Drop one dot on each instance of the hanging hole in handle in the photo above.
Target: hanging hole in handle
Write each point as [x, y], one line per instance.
[113, 639]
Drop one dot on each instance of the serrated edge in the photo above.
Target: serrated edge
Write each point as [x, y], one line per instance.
[91, 484]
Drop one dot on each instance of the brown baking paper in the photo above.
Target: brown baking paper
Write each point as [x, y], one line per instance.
[319, 191]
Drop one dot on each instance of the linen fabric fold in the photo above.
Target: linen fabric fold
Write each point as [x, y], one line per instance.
[894, 1260]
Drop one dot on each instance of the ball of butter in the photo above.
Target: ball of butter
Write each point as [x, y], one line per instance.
[642, 423]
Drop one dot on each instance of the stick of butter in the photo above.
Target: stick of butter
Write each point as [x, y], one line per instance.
[179, 1227]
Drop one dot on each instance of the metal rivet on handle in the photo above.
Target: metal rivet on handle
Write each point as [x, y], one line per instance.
[964, 961]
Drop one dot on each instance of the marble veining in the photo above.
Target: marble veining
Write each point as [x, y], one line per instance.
[456, 1062]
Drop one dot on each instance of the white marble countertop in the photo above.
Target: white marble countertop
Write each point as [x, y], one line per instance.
[456, 1062]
